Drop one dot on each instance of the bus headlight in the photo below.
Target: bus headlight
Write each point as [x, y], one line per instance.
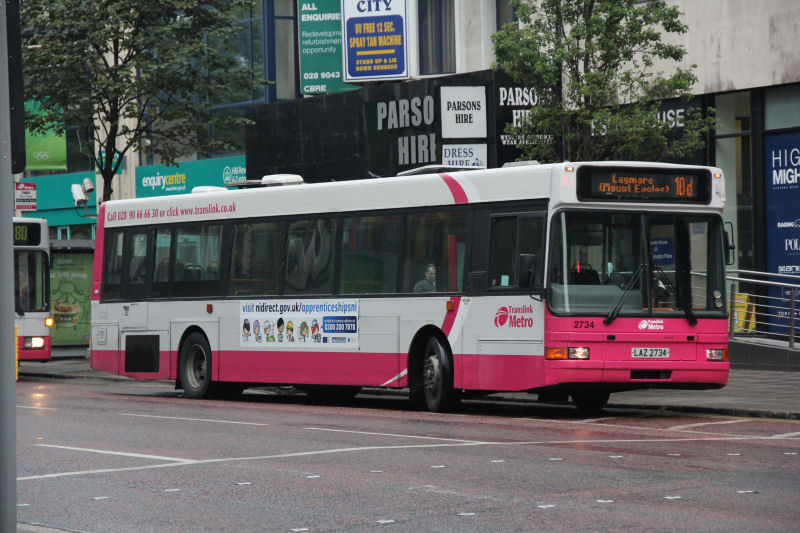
[48, 322]
[581, 353]
[33, 343]
[717, 355]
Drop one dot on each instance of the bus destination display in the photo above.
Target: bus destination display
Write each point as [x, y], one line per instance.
[27, 234]
[644, 185]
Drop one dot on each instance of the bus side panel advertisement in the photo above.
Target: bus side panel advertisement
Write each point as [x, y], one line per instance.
[301, 324]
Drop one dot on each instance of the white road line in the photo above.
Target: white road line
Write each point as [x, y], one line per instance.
[396, 447]
[787, 435]
[698, 424]
[390, 435]
[216, 421]
[38, 408]
[123, 454]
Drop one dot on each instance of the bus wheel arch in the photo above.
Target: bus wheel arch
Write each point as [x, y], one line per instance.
[431, 371]
[590, 402]
[194, 364]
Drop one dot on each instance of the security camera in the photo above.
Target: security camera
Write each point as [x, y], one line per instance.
[88, 185]
[78, 195]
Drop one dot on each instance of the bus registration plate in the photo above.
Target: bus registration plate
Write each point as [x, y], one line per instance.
[650, 353]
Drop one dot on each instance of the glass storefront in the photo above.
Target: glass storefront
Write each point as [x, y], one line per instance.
[734, 155]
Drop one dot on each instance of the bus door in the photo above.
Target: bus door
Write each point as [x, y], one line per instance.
[506, 319]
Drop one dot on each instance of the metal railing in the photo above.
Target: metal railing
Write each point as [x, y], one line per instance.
[755, 313]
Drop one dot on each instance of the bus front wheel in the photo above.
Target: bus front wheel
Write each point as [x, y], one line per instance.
[590, 402]
[194, 366]
[437, 377]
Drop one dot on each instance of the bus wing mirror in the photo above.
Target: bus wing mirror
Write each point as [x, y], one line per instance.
[728, 244]
[526, 268]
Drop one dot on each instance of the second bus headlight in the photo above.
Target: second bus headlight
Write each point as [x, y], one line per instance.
[581, 352]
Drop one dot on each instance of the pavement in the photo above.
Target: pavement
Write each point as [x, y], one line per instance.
[753, 393]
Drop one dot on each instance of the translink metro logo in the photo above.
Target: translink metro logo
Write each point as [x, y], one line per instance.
[514, 317]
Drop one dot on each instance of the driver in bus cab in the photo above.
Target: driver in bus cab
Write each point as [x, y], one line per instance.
[428, 283]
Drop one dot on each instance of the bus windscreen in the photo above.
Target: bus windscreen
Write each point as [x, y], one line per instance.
[644, 185]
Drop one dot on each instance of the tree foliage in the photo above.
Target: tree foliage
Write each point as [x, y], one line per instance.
[134, 70]
[593, 65]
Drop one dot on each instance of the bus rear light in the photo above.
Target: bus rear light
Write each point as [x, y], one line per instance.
[48, 322]
[717, 355]
[33, 343]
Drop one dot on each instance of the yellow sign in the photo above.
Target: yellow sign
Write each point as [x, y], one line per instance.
[744, 312]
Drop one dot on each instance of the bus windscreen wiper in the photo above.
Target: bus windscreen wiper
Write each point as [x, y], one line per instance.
[614, 312]
[680, 301]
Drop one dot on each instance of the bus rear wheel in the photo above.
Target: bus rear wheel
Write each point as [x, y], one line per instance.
[437, 377]
[194, 366]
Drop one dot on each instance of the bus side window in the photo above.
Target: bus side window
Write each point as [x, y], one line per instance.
[161, 259]
[514, 239]
[370, 254]
[196, 267]
[112, 265]
[134, 285]
[435, 238]
[255, 258]
[309, 257]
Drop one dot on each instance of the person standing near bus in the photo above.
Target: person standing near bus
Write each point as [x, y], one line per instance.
[428, 284]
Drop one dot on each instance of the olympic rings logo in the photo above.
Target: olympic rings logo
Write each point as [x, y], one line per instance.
[41, 156]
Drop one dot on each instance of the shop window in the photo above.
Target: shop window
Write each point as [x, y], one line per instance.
[733, 149]
[782, 107]
[437, 53]
[505, 13]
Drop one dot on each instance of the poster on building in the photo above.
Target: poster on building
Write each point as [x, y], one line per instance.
[319, 30]
[375, 37]
[162, 180]
[463, 112]
[25, 196]
[70, 288]
[465, 155]
[782, 198]
[298, 325]
[45, 149]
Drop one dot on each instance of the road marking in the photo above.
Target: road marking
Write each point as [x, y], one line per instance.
[175, 462]
[698, 424]
[216, 421]
[388, 434]
[787, 435]
[38, 408]
[124, 454]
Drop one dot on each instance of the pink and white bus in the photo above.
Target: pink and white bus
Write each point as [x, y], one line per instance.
[32, 288]
[565, 280]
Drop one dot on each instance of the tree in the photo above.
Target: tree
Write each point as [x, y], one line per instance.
[593, 67]
[139, 71]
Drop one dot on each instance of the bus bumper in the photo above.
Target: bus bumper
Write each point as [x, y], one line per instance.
[33, 348]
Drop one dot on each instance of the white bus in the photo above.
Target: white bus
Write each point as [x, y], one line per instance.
[566, 280]
[32, 288]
